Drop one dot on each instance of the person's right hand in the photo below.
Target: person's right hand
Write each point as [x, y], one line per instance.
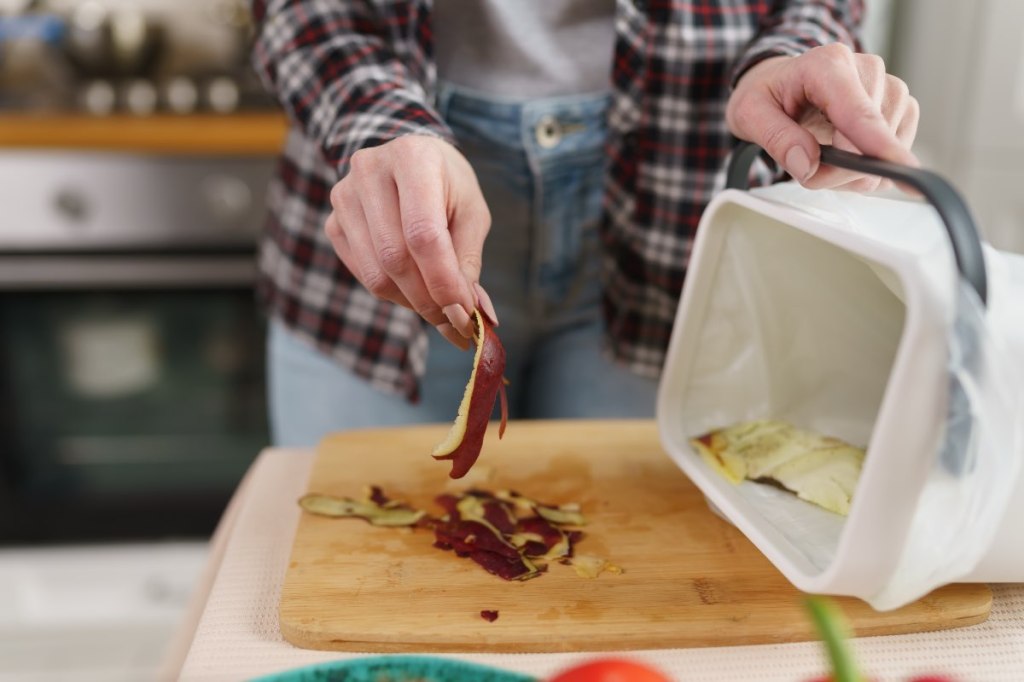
[409, 222]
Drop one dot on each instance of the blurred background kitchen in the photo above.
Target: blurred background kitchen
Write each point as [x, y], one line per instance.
[135, 147]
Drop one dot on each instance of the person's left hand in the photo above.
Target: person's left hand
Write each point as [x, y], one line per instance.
[828, 95]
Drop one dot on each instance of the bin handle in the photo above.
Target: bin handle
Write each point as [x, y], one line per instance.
[952, 209]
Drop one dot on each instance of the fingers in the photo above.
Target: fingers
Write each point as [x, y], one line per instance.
[871, 71]
[469, 227]
[354, 247]
[422, 211]
[483, 301]
[390, 227]
[388, 243]
[832, 82]
[831, 177]
[756, 113]
[902, 110]
[455, 338]
[901, 113]
[791, 145]
[835, 97]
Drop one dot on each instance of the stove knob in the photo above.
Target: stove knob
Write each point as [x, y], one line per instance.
[228, 198]
[98, 97]
[72, 204]
[140, 97]
[181, 94]
[223, 95]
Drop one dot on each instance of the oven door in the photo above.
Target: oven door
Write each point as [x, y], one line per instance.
[131, 393]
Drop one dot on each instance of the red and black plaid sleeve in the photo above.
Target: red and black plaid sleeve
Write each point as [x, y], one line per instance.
[350, 74]
[343, 71]
[795, 26]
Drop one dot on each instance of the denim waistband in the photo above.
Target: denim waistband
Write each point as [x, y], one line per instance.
[540, 163]
[543, 128]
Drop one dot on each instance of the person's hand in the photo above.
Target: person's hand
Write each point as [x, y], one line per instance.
[828, 95]
[409, 222]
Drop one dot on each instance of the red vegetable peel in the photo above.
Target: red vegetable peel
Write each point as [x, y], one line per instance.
[509, 535]
[504, 406]
[466, 437]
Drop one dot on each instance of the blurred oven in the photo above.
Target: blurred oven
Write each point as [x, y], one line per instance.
[131, 349]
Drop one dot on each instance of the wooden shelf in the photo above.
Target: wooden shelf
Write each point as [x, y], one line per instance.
[235, 134]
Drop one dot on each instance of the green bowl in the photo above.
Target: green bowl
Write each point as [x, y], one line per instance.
[397, 669]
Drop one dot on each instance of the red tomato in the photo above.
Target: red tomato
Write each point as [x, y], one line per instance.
[610, 670]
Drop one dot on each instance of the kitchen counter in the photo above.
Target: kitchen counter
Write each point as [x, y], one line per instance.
[232, 630]
[92, 611]
[235, 134]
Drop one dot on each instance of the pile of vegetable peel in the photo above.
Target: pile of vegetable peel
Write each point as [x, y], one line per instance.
[508, 534]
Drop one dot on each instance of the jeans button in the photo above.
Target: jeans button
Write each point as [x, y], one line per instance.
[548, 132]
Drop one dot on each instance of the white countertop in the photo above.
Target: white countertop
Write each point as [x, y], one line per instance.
[92, 612]
[232, 632]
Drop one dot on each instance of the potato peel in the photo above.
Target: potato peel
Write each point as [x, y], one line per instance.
[819, 469]
[503, 532]
[587, 566]
[375, 509]
[465, 439]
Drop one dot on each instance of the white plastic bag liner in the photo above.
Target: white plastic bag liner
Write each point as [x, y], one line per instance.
[845, 315]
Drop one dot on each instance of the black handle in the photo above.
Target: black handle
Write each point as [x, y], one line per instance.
[943, 196]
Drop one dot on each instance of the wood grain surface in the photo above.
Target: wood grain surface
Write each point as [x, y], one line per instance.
[690, 579]
[242, 134]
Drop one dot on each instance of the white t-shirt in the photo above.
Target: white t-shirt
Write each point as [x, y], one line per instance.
[525, 48]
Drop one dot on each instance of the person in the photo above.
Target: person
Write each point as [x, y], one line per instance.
[545, 161]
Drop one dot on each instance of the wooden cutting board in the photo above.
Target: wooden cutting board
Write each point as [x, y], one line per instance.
[690, 579]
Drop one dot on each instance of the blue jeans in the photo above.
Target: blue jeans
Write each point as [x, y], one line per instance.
[541, 166]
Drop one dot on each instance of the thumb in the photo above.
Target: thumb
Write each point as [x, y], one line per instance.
[785, 140]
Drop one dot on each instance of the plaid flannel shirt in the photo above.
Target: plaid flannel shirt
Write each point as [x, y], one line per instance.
[357, 73]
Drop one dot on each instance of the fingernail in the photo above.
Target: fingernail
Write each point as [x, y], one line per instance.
[459, 318]
[798, 164]
[455, 338]
[484, 301]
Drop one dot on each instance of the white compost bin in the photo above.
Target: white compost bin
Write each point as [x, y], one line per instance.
[847, 315]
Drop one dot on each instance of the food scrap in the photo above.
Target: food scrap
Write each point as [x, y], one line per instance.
[592, 566]
[466, 437]
[489, 616]
[376, 508]
[508, 534]
[819, 469]
[505, 533]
